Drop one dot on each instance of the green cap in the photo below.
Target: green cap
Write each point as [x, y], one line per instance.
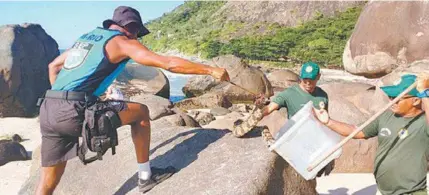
[310, 70]
[400, 86]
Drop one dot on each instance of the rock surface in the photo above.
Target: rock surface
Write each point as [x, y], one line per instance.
[209, 100]
[219, 111]
[198, 85]
[203, 158]
[282, 79]
[414, 68]
[25, 52]
[158, 106]
[284, 13]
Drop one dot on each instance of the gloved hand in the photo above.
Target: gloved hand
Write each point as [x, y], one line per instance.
[422, 82]
[321, 114]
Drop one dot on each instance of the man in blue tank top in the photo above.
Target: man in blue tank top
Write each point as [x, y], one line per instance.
[88, 68]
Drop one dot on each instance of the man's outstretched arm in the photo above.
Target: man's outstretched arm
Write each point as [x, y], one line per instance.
[142, 55]
[337, 126]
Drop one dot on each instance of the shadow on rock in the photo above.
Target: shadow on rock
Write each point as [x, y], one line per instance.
[188, 151]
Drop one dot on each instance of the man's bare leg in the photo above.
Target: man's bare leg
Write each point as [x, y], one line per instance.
[49, 178]
[137, 115]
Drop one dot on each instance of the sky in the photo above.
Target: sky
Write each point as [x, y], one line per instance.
[66, 21]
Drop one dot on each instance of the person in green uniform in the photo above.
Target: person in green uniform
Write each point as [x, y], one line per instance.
[296, 96]
[293, 98]
[403, 138]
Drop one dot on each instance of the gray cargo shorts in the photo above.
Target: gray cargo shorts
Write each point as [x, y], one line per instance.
[61, 126]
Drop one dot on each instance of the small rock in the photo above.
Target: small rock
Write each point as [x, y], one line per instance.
[204, 118]
[219, 111]
[193, 113]
[16, 138]
[11, 151]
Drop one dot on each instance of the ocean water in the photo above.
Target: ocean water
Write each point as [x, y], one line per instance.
[177, 82]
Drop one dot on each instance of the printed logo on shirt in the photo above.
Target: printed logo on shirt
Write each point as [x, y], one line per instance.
[77, 55]
[385, 132]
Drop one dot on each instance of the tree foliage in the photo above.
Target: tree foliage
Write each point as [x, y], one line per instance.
[195, 28]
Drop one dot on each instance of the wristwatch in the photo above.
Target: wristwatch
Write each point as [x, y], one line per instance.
[424, 93]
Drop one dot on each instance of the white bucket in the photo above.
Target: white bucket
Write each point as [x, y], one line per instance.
[303, 139]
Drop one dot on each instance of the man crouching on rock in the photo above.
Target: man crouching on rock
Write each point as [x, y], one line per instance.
[83, 73]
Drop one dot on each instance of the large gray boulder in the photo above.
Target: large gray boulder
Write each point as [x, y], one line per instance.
[387, 35]
[158, 106]
[247, 80]
[25, 52]
[208, 161]
[144, 79]
[366, 98]
[282, 79]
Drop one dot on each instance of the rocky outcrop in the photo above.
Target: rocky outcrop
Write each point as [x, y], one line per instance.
[219, 111]
[144, 79]
[241, 108]
[209, 100]
[388, 35]
[208, 161]
[288, 13]
[25, 52]
[414, 68]
[247, 80]
[203, 118]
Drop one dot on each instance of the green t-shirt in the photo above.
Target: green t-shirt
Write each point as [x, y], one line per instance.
[294, 98]
[401, 167]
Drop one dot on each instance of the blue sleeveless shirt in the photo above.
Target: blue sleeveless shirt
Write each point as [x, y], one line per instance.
[87, 68]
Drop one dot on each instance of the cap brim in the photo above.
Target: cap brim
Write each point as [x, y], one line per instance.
[391, 91]
[107, 23]
[142, 31]
[307, 76]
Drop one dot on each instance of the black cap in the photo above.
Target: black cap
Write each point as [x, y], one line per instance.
[124, 15]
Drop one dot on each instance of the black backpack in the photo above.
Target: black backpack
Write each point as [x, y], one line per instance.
[99, 132]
